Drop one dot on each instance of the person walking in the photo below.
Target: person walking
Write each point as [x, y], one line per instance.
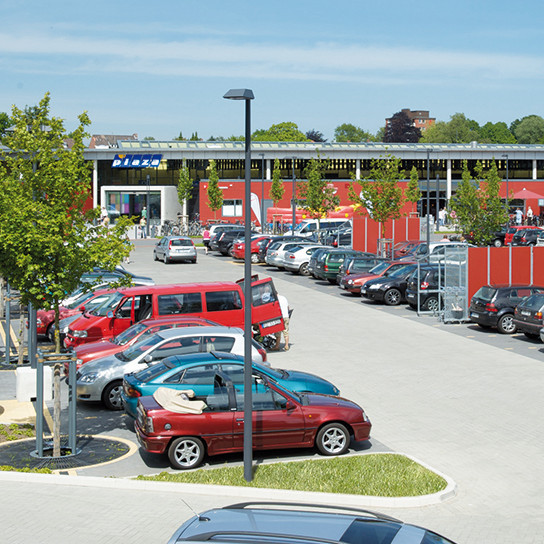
[206, 238]
[143, 233]
[286, 314]
[519, 216]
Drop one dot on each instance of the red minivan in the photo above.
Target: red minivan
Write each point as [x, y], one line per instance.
[221, 302]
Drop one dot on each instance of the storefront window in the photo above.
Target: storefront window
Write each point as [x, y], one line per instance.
[232, 208]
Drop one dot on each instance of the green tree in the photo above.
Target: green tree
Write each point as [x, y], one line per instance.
[215, 194]
[478, 207]
[277, 188]
[413, 193]
[5, 123]
[459, 130]
[315, 136]
[180, 138]
[47, 237]
[496, 133]
[529, 130]
[380, 194]
[185, 187]
[401, 129]
[350, 133]
[282, 132]
[194, 137]
[317, 196]
[149, 138]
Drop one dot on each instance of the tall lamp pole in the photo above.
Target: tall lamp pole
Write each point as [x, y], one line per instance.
[262, 193]
[293, 202]
[507, 205]
[247, 95]
[428, 202]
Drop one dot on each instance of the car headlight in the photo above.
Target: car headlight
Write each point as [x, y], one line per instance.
[88, 378]
[79, 362]
[66, 329]
[79, 334]
[374, 286]
[350, 282]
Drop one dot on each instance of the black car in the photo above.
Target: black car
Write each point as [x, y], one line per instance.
[317, 256]
[431, 281]
[498, 238]
[526, 237]
[494, 305]
[529, 314]
[389, 289]
[226, 239]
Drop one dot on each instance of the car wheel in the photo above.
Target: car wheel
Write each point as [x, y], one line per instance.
[431, 304]
[392, 297]
[165, 259]
[254, 258]
[303, 270]
[531, 335]
[497, 243]
[111, 397]
[332, 439]
[506, 324]
[155, 256]
[230, 251]
[186, 452]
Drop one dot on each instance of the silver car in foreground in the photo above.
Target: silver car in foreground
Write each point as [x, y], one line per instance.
[291, 523]
[101, 380]
[175, 248]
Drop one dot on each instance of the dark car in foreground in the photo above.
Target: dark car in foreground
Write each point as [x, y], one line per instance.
[494, 305]
[390, 289]
[424, 288]
[291, 523]
[526, 237]
[214, 424]
[529, 315]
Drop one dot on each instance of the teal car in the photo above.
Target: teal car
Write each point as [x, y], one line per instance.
[197, 372]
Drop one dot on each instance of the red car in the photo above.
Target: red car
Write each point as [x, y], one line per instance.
[353, 282]
[238, 249]
[512, 229]
[215, 425]
[46, 318]
[103, 348]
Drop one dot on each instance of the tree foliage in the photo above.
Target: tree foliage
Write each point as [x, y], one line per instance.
[496, 133]
[185, 184]
[47, 237]
[401, 129]
[413, 192]
[215, 194]
[316, 196]
[315, 136]
[478, 207]
[350, 133]
[380, 194]
[529, 129]
[459, 130]
[277, 188]
[282, 132]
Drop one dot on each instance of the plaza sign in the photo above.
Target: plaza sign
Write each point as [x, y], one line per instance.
[136, 161]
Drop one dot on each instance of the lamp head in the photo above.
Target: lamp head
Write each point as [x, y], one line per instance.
[239, 94]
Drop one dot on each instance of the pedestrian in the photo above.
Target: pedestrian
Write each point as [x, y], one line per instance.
[206, 238]
[445, 239]
[143, 223]
[442, 217]
[286, 314]
[529, 215]
[519, 216]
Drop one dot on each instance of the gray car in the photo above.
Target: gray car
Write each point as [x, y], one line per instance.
[289, 523]
[101, 380]
[175, 248]
[297, 258]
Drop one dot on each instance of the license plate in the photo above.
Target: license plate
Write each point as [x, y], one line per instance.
[474, 315]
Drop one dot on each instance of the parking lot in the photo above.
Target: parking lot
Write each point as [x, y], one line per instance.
[462, 400]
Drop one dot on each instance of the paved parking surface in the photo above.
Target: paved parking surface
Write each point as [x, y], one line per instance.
[457, 398]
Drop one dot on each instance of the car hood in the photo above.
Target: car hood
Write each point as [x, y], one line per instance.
[315, 399]
[96, 350]
[304, 381]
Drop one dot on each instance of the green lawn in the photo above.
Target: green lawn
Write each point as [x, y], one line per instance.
[382, 475]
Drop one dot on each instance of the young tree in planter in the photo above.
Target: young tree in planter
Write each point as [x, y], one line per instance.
[413, 193]
[277, 188]
[316, 196]
[185, 187]
[48, 239]
[380, 194]
[215, 194]
[478, 207]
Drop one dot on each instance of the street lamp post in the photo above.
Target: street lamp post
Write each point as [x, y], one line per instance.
[262, 192]
[247, 95]
[293, 202]
[428, 202]
[507, 205]
[148, 214]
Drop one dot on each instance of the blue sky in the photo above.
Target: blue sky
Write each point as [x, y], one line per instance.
[158, 68]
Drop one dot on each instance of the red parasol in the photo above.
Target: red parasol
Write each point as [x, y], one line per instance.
[525, 194]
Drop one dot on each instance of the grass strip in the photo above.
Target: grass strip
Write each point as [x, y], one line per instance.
[381, 475]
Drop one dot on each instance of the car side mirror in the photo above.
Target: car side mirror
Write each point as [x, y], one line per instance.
[290, 405]
[110, 314]
[82, 308]
[148, 359]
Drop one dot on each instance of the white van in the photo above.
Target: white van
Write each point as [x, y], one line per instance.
[308, 226]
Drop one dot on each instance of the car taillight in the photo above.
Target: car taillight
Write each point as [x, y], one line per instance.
[538, 315]
[291, 256]
[262, 352]
[131, 392]
[424, 285]
[170, 244]
[325, 268]
[490, 307]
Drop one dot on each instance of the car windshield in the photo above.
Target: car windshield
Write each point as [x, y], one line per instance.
[111, 302]
[80, 300]
[126, 336]
[276, 373]
[153, 371]
[181, 242]
[485, 293]
[401, 271]
[139, 347]
[533, 302]
[379, 268]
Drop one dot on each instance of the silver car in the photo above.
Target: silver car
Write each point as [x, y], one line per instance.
[297, 258]
[276, 251]
[101, 380]
[175, 248]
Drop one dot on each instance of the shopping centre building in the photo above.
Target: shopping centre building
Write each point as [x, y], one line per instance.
[131, 173]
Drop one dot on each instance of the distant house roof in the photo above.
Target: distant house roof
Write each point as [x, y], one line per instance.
[109, 141]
